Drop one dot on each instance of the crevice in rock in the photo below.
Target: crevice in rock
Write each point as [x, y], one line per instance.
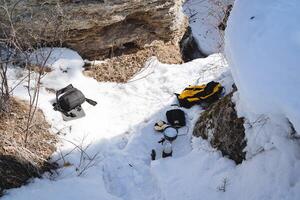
[127, 48]
[222, 26]
[189, 48]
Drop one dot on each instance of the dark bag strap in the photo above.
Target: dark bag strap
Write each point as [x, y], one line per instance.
[90, 101]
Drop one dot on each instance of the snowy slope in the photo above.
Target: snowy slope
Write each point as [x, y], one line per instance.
[204, 18]
[119, 132]
[119, 129]
[263, 48]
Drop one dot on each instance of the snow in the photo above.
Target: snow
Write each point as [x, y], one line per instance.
[262, 47]
[204, 18]
[62, 59]
[118, 134]
[273, 158]
[65, 64]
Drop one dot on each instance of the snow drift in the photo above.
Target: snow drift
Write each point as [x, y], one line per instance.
[263, 47]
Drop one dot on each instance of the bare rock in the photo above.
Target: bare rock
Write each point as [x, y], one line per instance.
[222, 127]
[98, 28]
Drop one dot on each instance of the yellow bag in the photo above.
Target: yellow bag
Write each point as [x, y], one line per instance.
[197, 94]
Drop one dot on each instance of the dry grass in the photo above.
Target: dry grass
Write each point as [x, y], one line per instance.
[19, 161]
[122, 68]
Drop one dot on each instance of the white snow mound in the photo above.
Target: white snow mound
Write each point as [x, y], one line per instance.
[263, 47]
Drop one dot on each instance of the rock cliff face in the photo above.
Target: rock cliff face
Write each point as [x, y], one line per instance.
[99, 29]
[222, 127]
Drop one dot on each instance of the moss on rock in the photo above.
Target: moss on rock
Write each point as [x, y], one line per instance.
[222, 127]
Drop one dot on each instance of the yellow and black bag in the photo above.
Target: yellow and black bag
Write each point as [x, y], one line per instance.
[198, 94]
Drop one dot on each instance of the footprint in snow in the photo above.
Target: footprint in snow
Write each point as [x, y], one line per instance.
[130, 179]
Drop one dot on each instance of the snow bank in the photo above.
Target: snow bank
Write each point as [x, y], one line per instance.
[57, 58]
[272, 175]
[263, 48]
[65, 64]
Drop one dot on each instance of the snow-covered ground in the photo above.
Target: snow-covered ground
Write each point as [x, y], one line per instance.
[118, 136]
[119, 130]
[205, 17]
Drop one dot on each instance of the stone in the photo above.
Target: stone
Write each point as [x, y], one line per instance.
[221, 126]
[97, 29]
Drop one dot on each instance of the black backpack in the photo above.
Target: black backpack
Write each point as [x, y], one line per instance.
[176, 118]
[70, 98]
